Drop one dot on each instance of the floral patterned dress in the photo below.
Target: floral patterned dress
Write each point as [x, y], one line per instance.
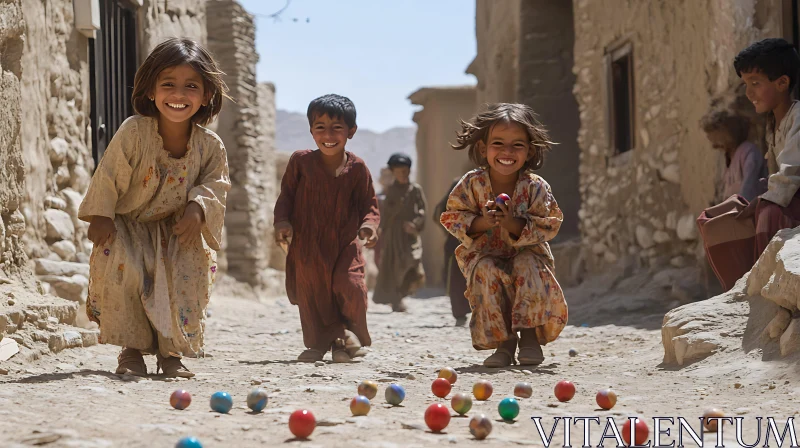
[146, 290]
[511, 283]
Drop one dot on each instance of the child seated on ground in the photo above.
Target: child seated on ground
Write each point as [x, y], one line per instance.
[504, 254]
[403, 209]
[769, 69]
[327, 203]
[744, 163]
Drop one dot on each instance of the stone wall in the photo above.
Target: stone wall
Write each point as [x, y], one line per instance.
[438, 164]
[56, 143]
[12, 221]
[231, 38]
[643, 203]
[160, 20]
[497, 29]
[268, 171]
[545, 82]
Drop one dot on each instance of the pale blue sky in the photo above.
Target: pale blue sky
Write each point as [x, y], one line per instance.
[376, 52]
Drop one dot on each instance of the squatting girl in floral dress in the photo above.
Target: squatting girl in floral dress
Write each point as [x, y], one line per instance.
[156, 206]
[504, 254]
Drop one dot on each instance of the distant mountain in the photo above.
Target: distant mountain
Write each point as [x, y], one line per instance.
[292, 133]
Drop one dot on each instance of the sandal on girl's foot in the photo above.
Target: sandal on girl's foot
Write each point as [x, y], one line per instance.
[341, 356]
[131, 362]
[353, 345]
[531, 356]
[501, 357]
[311, 355]
[172, 367]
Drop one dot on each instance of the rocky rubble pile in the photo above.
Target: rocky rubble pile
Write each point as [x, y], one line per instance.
[759, 313]
[38, 324]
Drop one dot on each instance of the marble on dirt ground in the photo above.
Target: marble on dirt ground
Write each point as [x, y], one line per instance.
[72, 399]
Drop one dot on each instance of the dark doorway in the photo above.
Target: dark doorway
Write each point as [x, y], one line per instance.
[112, 59]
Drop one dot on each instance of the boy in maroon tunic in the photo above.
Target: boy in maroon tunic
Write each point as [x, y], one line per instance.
[327, 203]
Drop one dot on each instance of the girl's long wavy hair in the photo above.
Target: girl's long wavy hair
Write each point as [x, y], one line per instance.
[170, 53]
[476, 132]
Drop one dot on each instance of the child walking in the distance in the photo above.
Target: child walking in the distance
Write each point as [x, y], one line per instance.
[326, 204]
[156, 207]
[400, 272]
[504, 254]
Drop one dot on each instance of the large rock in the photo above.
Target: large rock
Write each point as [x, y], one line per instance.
[60, 268]
[687, 228]
[73, 201]
[74, 288]
[65, 249]
[59, 225]
[755, 313]
[58, 150]
[644, 237]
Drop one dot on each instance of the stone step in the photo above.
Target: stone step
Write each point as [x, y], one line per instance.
[41, 324]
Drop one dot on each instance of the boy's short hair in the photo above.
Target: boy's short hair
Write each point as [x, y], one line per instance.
[334, 106]
[399, 159]
[735, 125]
[774, 57]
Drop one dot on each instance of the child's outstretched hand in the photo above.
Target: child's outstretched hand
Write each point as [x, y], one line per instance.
[369, 236]
[102, 230]
[189, 226]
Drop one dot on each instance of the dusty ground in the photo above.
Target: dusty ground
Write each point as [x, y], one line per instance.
[72, 400]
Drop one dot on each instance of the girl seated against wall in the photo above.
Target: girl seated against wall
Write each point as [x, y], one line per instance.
[727, 241]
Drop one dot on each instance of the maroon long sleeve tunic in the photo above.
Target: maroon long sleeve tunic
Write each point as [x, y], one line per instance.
[324, 266]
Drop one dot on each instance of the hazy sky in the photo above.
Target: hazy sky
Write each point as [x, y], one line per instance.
[376, 52]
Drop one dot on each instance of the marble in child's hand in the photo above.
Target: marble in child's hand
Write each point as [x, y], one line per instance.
[502, 198]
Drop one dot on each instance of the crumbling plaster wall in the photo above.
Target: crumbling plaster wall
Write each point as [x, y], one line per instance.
[438, 164]
[497, 25]
[231, 38]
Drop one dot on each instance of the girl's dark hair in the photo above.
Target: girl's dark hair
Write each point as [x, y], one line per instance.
[477, 131]
[735, 125]
[171, 53]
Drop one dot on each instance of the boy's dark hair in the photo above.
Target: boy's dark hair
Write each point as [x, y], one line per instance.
[735, 125]
[477, 130]
[334, 106]
[171, 53]
[774, 57]
[399, 159]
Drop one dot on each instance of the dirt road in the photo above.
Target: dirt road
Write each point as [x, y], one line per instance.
[72, 399]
